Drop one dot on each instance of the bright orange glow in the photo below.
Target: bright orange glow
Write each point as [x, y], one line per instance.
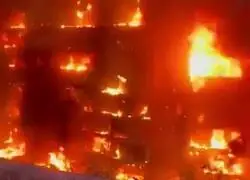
[127, 176]
[13, 149]
[118, 154]
[218, 163]
[144, 113]
[206, 61]
[136, 20]
[72, 66]
[58, 160]
[117, 114]
[100, 145]
[218, 140]
[83, 17]
[116, 91]
[17, 21]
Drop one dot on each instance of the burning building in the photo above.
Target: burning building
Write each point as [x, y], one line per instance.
[131, 91]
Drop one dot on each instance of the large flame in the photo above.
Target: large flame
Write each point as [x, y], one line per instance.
[218, 164]
[58, 160]
[206, 61]
[13, 149]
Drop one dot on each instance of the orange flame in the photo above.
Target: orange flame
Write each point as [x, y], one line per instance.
[144, 113]
[220, 163]
[206, 61]
[100, 145]
[76, 67]
[218, 140]
[58, 160]
[114, 114]
[136, 20]
[13, 149]
[116, 91]
[118, 154]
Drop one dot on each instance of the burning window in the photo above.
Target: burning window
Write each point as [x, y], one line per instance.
[75, 64]
[206, 61]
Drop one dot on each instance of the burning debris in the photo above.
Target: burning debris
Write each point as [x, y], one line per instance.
[206, 61]
[220, 159]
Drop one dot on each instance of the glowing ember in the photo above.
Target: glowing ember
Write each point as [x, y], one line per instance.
[100, 145]
[17, 21]
[117, 114]
[144, 113]
[12, 46]
[76, 67]
[206, 61]
[19, 26]
[116, 91]
[84, 17]
[58, 160]
[117, 154]
[13, 149]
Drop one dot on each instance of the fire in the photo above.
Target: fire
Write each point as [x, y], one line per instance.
[218, 140]
[218, 165]
[116, 91]
[58, 160]
[13, 149]
[17, 21]
[117, 114]
[144, 113]
[125, 176]
[118, 154]
[222, 162]
[100, 145]
[76, 67]
[83, 17]
[136, 20]
[206, 61]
